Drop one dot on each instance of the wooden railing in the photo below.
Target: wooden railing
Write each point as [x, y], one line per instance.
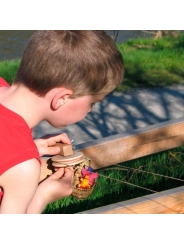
[132, 145]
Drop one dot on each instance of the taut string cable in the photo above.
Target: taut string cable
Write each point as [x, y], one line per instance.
[125, 168]
[125, 182]
[161, 175]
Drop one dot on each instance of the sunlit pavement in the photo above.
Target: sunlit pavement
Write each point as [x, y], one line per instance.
[122, 112]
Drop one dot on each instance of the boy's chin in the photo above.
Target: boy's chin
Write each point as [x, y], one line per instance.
[56, 125]
[59, 127]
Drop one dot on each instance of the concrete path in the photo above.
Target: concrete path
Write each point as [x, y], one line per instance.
[122, 112]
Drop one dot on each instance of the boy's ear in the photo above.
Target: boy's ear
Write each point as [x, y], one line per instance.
[60, 98]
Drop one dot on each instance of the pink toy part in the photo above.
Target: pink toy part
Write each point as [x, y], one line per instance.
[92, 176]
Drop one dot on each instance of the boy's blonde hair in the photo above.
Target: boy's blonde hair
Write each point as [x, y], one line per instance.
[87, 62]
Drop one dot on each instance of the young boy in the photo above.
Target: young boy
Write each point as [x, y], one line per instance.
[61, 76]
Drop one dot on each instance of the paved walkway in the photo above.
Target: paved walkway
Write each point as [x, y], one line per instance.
[122, 112]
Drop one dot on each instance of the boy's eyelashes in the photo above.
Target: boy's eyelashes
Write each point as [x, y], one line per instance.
[93, 104]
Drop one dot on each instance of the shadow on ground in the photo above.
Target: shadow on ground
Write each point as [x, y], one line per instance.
[122, 112]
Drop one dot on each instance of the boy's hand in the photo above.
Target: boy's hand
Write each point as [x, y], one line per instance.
[46, 145]
[57, 186]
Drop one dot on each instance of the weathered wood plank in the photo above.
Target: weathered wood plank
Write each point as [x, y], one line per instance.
[135, 144]
[165, 202]
[132, 145]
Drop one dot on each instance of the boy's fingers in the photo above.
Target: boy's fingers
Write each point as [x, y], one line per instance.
[59, 138]
[63, 172]
[69, 173]
[53, 150]
[58, 174]
[71, 168]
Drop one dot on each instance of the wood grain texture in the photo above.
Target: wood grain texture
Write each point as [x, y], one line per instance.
[132, 145]
[135, 144]
[165, 202]
[65, 149]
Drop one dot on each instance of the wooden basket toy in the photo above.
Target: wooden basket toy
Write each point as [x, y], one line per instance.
[84, 178]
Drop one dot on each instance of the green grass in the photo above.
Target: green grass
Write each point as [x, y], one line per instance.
[8, 69]
[126, 181]
[148, 63]
[153, 63]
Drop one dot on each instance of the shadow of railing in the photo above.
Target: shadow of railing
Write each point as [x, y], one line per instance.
[122, 112]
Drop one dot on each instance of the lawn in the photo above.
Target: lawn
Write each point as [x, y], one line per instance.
[143, 176]
[148, 63]
[153, 63]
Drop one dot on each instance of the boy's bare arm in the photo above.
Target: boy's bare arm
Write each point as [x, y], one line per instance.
[57, 186]
[22, 193]
[19, 185]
